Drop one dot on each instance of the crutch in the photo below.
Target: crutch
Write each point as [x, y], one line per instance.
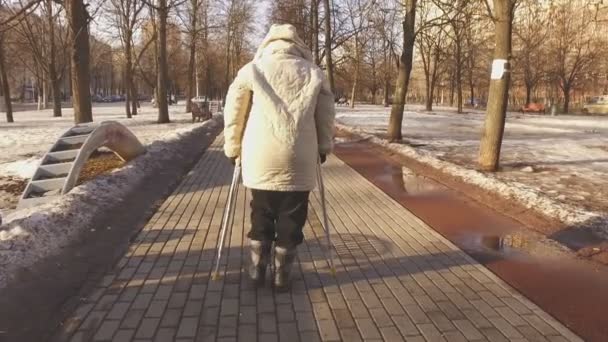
[326, 226]
[228, 218]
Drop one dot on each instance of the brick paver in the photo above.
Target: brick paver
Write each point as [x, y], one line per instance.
[396, 278]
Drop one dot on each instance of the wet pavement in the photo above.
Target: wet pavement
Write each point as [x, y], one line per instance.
[573, 291]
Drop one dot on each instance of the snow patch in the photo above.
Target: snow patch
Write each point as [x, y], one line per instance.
[23, 168]
[31, 234]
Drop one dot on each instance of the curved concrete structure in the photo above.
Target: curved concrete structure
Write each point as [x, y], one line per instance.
[60, 167]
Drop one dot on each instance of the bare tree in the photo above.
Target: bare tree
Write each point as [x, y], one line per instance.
[55, 78]
[197, 29]
[405, 69]
[573, 44]
[205, 54]
[193, 33]
[6, 91]
[329, 65]
[530, 29]
[314, 30]
[238, 17]
[161, 13]
[476, 51]
[432, 47]
[491, 141]
[384, 23]
[31, 32]
[458, 16]
[126, 17]
[358, 14]
[163, 75]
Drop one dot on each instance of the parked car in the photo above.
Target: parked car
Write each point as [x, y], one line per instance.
[533, 108]
[596, 105]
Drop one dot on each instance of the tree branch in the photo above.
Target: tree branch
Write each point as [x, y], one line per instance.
[22, 11]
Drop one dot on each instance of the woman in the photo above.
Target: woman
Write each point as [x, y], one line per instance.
[279, 120]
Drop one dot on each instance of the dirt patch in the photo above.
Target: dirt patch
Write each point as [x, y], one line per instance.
[13, 185]
[11, 189]
[98, 164]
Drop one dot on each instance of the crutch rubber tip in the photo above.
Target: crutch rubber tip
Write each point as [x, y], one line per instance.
[216, 276]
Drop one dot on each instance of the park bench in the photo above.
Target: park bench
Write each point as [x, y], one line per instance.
[200, 113]
[533, 108]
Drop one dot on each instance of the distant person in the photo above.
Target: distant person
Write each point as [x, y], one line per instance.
[279, 121]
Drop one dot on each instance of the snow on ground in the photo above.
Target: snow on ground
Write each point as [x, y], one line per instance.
[568, 155]
[31, 234]
[25, 141]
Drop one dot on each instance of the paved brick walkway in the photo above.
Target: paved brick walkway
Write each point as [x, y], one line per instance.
[396, 278]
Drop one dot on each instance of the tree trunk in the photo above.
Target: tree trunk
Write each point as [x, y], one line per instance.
[491, 141]
[192, 74]
[472, 89]
[54, 78]
[566, 91]
[432, 97]
[128, 76]
[78, 18]
[315, 30]
[452, 89]
[163, 77]
[429, 98]
[405, 69]
[134, 93]
[528, 93]
[205, 43]
[459, 77]
[40, 101]
[227, 74]
[386, 73]
[192, 70]
[386, 92]
[45, 95]
[6, 90]
[353, 93]
[328, 61]
[127, 92]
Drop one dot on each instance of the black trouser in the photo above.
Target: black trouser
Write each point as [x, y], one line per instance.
[278, 216]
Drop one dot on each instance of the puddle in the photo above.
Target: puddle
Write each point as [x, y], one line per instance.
[506, 244]
[532, 264]
[452, 214]
[406, 180]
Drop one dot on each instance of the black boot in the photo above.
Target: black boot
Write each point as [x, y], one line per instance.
[260, 256]
[283, 260]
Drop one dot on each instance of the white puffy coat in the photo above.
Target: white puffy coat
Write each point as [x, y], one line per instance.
[291, 118]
